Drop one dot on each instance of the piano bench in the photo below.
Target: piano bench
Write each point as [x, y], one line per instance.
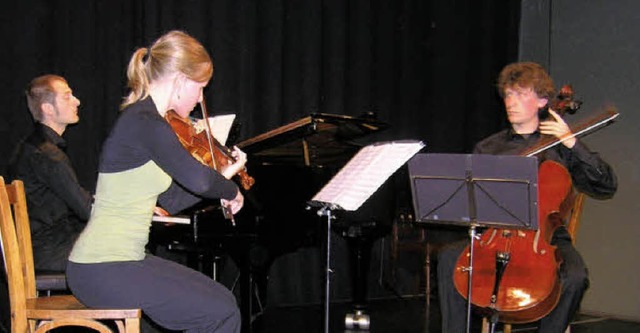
[48, 281]
[205, 260]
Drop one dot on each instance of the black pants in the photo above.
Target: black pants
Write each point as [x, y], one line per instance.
[572, 274]
[5, 306]
[173, 296]
[51, 246]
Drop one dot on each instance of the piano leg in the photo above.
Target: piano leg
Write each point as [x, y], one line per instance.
[246, 296]
[240, 250]
[206, 262]
[360, 239]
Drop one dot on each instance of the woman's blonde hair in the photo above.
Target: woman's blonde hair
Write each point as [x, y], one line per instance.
[173, 52]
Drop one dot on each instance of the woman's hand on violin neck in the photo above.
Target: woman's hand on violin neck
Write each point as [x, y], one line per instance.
[559, 129]
[240, 159]
[234, 205]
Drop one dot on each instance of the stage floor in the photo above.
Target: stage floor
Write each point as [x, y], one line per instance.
[397, 315]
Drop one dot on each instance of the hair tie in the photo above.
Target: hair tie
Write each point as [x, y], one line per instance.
[147, 56]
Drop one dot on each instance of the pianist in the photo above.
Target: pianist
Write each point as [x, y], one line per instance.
[58, 205]
[142, 163]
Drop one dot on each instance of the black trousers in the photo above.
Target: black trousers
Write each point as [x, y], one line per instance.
[572, 273]
[5, 306]
[52, 245]
[172, 295]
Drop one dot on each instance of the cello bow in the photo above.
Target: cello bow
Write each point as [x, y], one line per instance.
[591, 125]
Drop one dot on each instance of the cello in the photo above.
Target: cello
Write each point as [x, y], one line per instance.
[515, 272]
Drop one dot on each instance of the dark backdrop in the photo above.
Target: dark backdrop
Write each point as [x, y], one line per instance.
[426, 67]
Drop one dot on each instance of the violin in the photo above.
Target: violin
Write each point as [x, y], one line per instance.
[204, 147]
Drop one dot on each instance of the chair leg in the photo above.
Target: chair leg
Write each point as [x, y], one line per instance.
[427, 276]
[485, 326]
[507, 328]
[427, 285]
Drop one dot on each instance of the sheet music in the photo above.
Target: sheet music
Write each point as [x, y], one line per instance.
[365, 173]
[220, 126]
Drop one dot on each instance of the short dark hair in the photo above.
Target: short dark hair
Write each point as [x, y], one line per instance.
[39, 91]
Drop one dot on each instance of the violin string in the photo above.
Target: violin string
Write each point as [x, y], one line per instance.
[205, 117]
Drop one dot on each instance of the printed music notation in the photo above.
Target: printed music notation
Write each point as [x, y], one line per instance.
[365, 173]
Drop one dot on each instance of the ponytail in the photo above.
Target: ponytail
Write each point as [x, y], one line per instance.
[138, 80]
[174, 52]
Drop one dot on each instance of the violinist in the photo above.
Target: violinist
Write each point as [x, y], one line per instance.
[143, 163]
[526, 89]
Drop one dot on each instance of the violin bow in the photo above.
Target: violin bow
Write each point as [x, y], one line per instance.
[225, 210]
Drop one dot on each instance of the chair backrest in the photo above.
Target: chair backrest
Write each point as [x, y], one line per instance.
[12, 253]
[18, 202]
[573, 222]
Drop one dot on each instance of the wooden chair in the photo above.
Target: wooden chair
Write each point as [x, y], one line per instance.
[407, 236]
[30, 313]
[572, 225]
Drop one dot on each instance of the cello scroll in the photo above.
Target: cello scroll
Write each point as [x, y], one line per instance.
[563, 103]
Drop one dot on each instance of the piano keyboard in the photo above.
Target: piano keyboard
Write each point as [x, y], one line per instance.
[171, 219]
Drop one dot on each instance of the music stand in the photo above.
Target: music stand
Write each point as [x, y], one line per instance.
[475, 191]
[355, 183]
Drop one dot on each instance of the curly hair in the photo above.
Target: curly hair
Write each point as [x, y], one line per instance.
[525, 75]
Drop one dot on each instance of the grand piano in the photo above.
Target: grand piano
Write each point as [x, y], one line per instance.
[290, 164]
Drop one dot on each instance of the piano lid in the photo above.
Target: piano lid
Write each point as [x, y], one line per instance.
[320, 139]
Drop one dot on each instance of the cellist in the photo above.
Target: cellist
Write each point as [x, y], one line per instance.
[526, 89]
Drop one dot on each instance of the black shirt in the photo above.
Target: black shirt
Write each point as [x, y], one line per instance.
[590, 174]
[58, 205]
[141, 135]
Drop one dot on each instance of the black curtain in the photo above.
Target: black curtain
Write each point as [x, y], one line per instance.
[426, 67]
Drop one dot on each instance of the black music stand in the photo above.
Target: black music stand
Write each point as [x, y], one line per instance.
[354, 184]
[475, 191]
